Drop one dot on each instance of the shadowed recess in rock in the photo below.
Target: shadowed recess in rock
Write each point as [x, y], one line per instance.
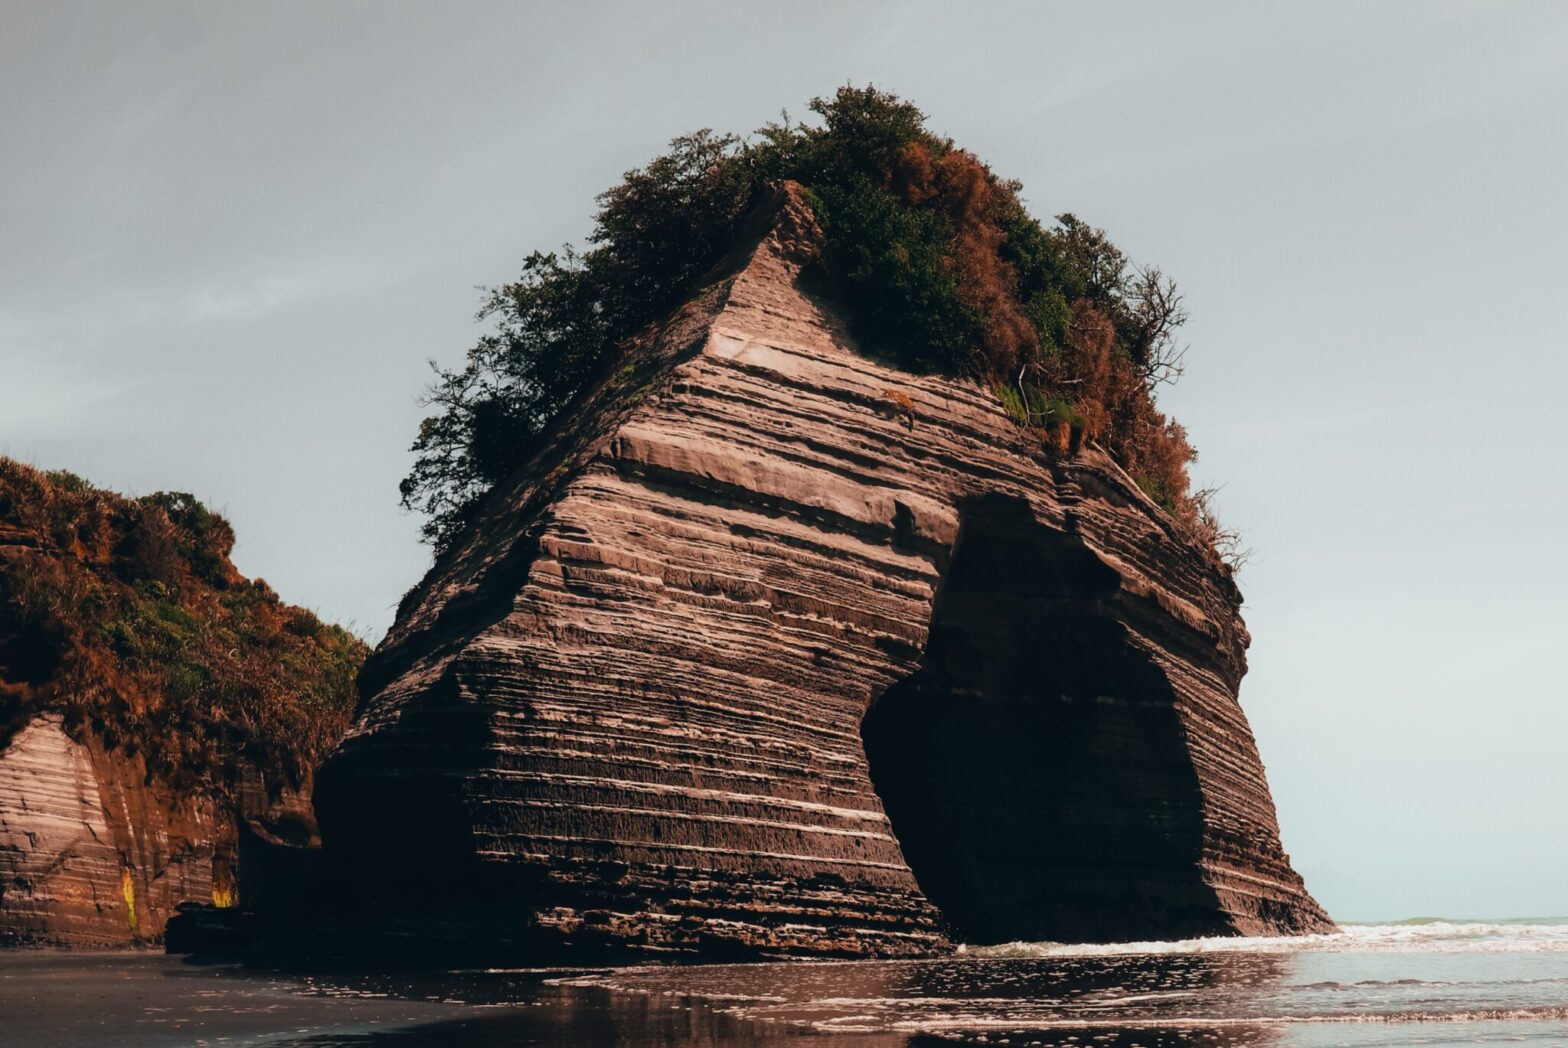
[403, 783]
[1034, 768]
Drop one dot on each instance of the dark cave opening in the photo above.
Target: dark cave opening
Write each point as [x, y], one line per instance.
[1033, 767]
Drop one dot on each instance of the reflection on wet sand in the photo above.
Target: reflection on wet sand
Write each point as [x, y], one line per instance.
[568, 1017]
[1302, 1000]
[581, 1016]
[1118, 1002]
[1111, 1000]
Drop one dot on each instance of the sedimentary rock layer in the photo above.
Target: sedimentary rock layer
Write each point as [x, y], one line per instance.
[763, 594]
[90, 853]
[95, 852]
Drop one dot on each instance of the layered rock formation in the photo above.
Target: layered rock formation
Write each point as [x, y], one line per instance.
[89, 854]
[159, 716]
[95, 852]
[776, 649]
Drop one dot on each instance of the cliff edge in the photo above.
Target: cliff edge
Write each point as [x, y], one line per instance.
[160, 716]
[774, 649]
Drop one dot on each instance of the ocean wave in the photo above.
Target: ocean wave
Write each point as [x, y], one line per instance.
[1022, 1024]
[1426, 935]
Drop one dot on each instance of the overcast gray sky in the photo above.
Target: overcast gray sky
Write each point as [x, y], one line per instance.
[232, 234]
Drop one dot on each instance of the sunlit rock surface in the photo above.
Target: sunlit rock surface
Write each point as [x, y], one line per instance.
[764, 595]
[94, 852]
[91, 855]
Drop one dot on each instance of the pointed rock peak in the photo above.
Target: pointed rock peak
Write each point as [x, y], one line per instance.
[783, 224]
[795, 234]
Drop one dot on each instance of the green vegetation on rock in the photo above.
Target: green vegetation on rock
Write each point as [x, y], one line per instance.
[932, 258]
[125, 616]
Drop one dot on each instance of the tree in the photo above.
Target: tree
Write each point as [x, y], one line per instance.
[933, 259]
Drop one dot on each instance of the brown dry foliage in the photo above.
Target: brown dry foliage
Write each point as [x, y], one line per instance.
[1108, 385]
[973, 199]
[127, 617]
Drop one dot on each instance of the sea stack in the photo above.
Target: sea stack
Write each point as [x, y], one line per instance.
[774, 649]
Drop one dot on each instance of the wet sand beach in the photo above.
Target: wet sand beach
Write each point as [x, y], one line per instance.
[1417, 983]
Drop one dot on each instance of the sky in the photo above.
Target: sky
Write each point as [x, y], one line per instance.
[233, 235]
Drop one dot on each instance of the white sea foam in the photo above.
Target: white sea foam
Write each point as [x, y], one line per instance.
[1424, 935]
[1551, 1013]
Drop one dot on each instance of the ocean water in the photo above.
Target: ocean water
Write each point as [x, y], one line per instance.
[1422, 982]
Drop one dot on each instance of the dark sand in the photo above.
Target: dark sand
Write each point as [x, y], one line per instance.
[148, 1000]
[1419, 983]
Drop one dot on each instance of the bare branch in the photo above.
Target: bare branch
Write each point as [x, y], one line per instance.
[1157, 313]
[1207, 528]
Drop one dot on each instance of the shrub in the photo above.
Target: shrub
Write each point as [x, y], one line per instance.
[126, 616]
[933, 259]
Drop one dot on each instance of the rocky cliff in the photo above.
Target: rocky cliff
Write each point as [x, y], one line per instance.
[159, 716]
[95, 852]
[775, 649]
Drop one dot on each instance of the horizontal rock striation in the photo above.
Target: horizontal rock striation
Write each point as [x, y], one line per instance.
[90, 853]
[94, 852]
[779, 650]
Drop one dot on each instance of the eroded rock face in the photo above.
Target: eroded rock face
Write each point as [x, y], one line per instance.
[90, 855]
[633, 709]
[96, 853]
